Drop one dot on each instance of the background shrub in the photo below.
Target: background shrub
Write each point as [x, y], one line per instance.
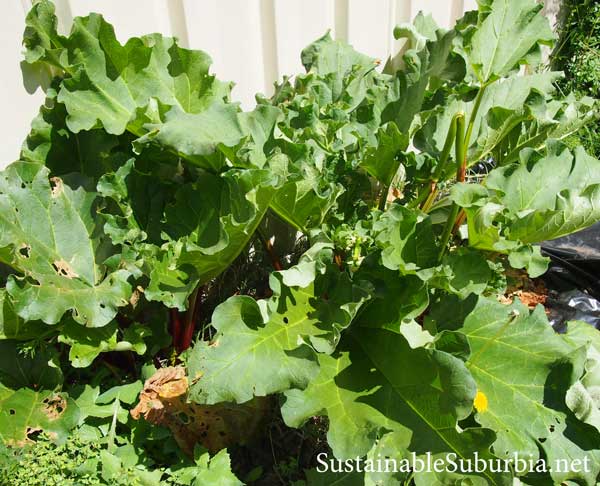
[578, 55]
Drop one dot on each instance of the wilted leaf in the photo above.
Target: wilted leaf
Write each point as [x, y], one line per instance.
[164, 402]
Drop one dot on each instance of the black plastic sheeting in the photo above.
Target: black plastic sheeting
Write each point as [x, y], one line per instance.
[573, 279]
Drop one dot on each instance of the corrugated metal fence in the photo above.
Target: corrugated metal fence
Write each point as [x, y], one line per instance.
[252, 42]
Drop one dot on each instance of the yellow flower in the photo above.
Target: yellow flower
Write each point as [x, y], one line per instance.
[480, 402]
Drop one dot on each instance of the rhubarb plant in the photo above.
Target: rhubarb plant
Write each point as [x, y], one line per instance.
[338, 251]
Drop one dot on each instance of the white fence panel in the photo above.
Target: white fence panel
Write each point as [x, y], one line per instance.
[252, 42]
[129, 17]
[296, 26]
[18, 106]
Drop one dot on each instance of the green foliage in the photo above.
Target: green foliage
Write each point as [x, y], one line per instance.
[498, 337]
[577, 48]
[329, 249]
[80, 462]
[577, 53]
[57, 465]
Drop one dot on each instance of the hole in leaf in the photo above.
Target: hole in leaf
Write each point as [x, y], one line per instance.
[54, 407]
[286, 320]
[56, 185]
[24, 251]
[542, 439]
[12, 411]
[33, 434]
[551, 428]
[63, 269]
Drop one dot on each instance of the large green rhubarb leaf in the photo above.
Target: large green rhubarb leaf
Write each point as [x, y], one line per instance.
[326, 56]
[204, 138]
[106, 82]
[406, 239]
[411, 297]
[583, 398]
[304, 200]
[263, 347]
[190, 240]
[511, 31]
[382, 161]
[19, 368]
[25, 411]
[330, 116]
[554, 120]
[376, 383]
[429, 62]
[50, 234]
[215, 217]
[27, 402]
[511, 114]
[524, 369]
[550, 197]
[51, 143]
[150, 87]
[14, 327]
[539, 198]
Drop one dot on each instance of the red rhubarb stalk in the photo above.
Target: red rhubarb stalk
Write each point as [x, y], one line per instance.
[175, 327]
[190, 321]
